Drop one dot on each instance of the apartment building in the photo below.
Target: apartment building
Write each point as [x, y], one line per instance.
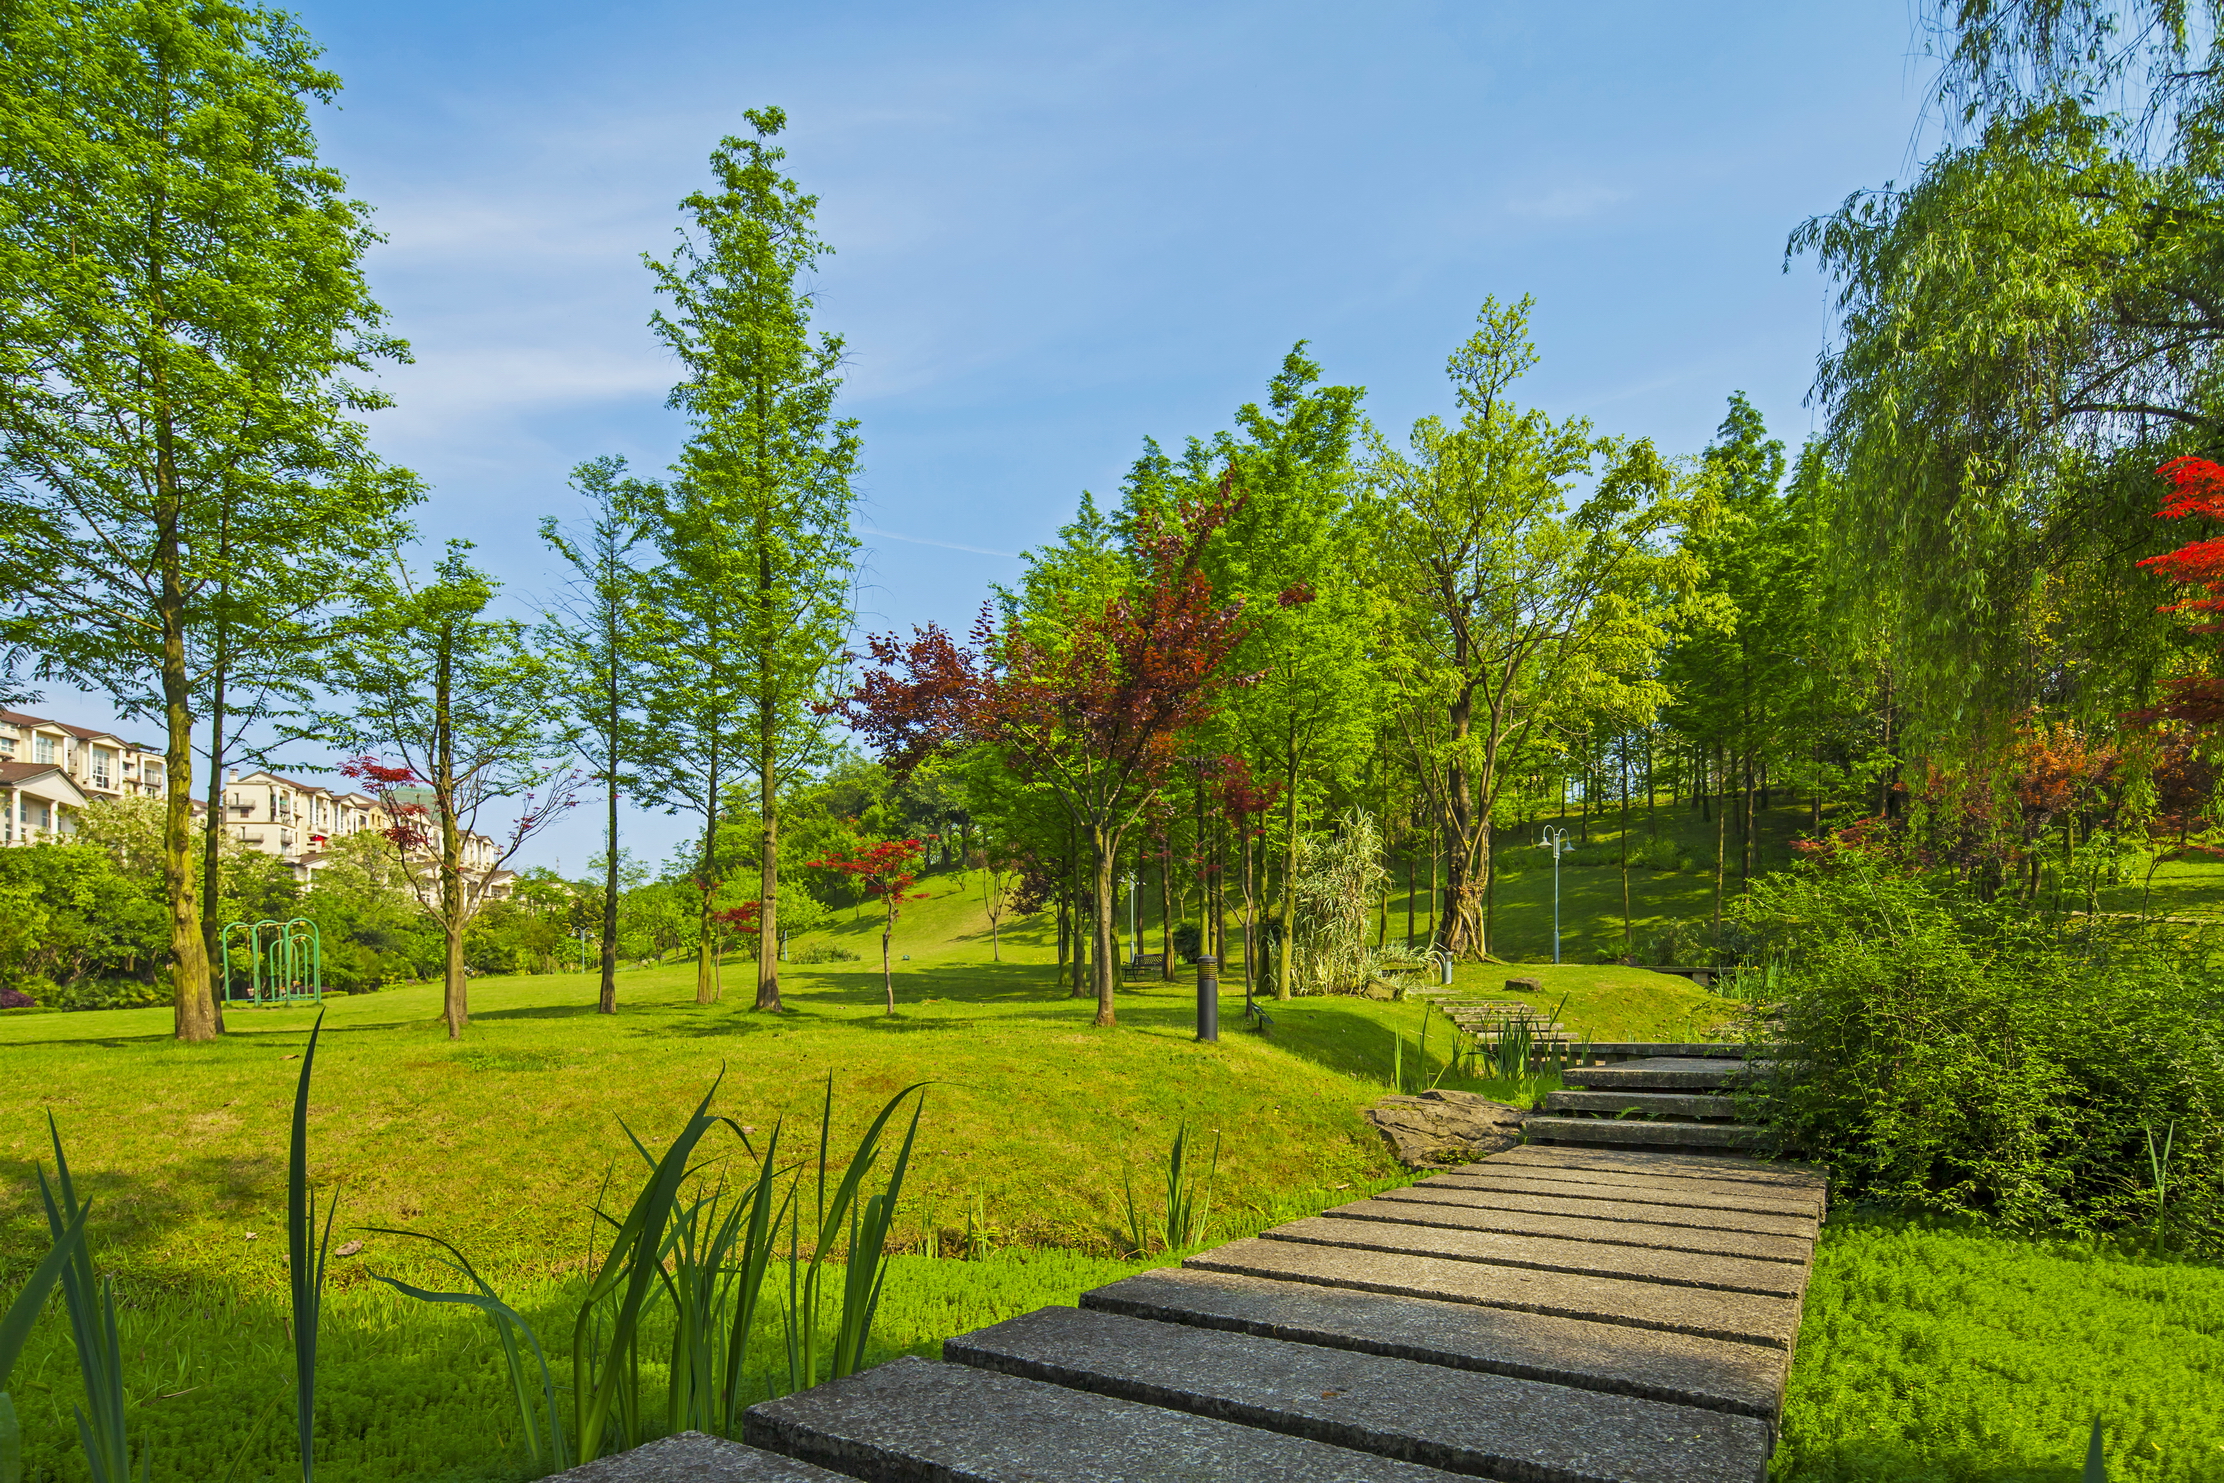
[298, 822]
[49, 770]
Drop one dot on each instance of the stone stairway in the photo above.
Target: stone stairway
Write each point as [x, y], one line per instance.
[1667, 1097]
[1493, 1017]
[1554, 1314]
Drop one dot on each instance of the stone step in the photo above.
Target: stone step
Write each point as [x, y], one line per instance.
[1633, 1050]
[1799, 1227]
[1703, 1166]
[1668, 1074]
[1463, 1421]
[1649, 1363]
[1651, 1189]
[1649, 1104]
[1548, 1254]
[1759, 1246]
[916, 1420]
[1707, 1313]
[1639, 1134]
[697, 1458]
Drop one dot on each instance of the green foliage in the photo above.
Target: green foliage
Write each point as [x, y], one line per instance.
[1937, 1352]
[1186, 1213]
[1947, 1054]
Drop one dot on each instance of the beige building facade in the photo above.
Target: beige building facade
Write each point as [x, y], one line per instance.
[50, 770]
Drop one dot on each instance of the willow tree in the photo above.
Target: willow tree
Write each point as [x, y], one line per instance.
[1523, 600]
[182, 297]
[754, 529]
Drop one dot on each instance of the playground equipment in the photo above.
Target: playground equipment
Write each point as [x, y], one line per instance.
[282, 962]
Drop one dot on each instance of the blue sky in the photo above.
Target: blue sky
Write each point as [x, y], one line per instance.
[1060, 228]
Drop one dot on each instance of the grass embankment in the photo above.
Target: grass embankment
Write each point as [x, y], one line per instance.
[1936, 1354]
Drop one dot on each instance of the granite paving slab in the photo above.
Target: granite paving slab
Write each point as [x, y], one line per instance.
[1546, 1254]
[1697, 1217]
[1736, 1169]
[1491, 1426]
[1739, 1318]
[916, 1420]
[1665, 1104]
[1744, 1378]
[1541, 1128]
[693, 1457]
[1569, 1228]
[1668, 1073]
[1650, 1189]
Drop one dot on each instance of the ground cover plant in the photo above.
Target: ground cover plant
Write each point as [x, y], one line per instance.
[1953, 1353]
[1950, 1054]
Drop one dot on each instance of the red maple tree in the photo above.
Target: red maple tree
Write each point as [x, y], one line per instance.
[2196, 492]
[1089, 704]
[885, 871]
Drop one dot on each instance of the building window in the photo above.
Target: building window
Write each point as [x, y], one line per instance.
[43, 749]
[104, 763]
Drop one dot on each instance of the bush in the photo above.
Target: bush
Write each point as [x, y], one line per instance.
[105, 993]
[1947, 1054]
[823, 952]
[16, 999]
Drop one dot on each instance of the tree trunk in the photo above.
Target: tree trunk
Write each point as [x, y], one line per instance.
[768, 885]
[1284, 959]
[887, 975]
[607, 1001]
[1721, 841]
[707, 883]
[454, 907]
[1102, 850]
[197, 1016]
[212, 834]
[1165, 908]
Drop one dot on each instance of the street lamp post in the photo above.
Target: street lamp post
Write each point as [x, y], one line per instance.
[1555, 840]
[1208, 997]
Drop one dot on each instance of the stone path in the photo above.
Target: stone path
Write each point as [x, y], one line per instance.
[1558, 1313]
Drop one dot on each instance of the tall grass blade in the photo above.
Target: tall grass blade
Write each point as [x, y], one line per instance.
[306, 1252]
[2096, 1466]
[11, 1443]
[758, 1237]
[92, 1314]
[606, 1367]
[509, 1325]
[868, 1261]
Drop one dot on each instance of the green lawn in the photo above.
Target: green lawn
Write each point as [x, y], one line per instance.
[1915, 1347]
[1937, 1354]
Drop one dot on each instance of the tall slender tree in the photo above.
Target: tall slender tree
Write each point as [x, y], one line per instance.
[596, 637]
[181, 297]
[755, 527]
[455, 716]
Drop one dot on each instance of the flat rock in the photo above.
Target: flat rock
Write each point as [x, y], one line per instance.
[1544, 1254]
[1630, 1131]
[1738, 1318]
[1440, 1129]
[1762, 1247]
[1698, 1217]
[1669, 1073]
[1463, 1421]
[1631, 1050]
[1742, 1378]
[693, 1457]
[918, 1421]
[1733, 1168]
[1597, 1184]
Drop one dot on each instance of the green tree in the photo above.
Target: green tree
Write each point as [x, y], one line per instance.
[465, 711]
[180, 281]
[595, 638]
[1521, 607]
[755, 528]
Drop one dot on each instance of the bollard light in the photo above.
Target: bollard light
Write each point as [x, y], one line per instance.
[1208, 997]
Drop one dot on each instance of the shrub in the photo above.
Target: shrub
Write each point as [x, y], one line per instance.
[823, 952]
[16, 999]
[105, 993]
[1947, 1054]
